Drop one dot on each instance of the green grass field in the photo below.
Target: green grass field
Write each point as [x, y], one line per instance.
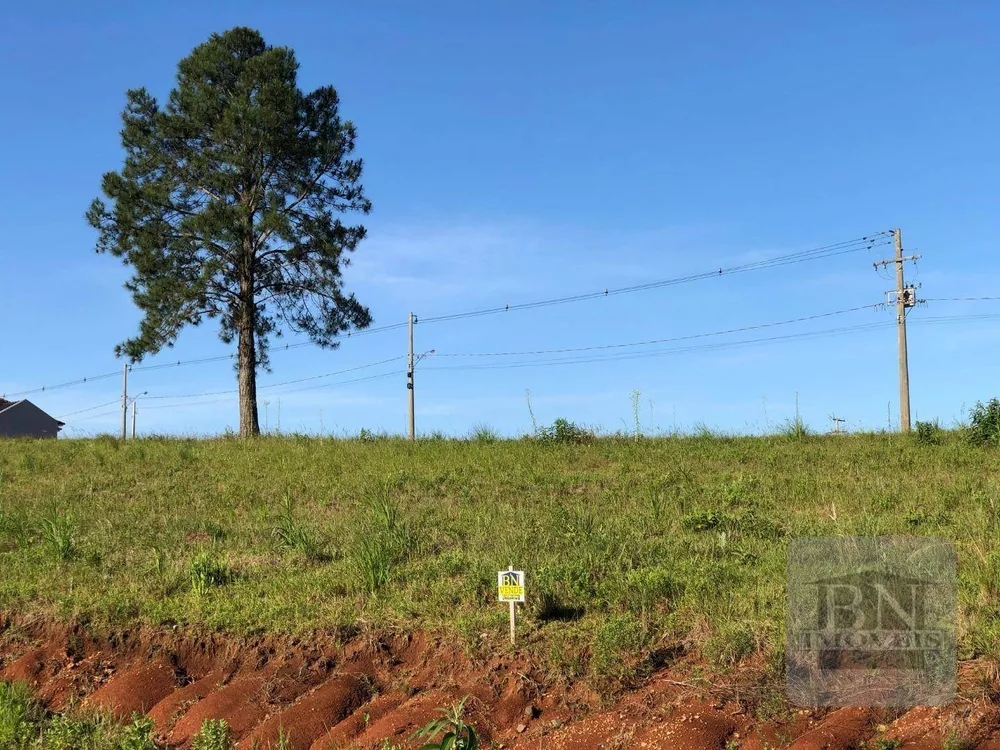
[630, 546]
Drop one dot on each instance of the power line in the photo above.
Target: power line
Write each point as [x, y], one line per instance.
[116, 412]
[674, 350]
[960, 299]
[91, 408]
[722, 345]
[955, 318]
[80, 381]
[826, 251]
[269, 350]
[395, 373]
[204, 360]
[286, 382]
[937, 320]
[665, 340]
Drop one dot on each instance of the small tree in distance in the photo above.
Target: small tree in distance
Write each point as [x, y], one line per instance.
[228, 206]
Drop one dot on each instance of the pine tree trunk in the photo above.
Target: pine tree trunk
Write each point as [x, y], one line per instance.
[247, 348]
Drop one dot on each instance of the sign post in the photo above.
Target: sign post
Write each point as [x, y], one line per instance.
[510, 589]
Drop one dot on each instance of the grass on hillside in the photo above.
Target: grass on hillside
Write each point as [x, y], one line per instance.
[631, 546]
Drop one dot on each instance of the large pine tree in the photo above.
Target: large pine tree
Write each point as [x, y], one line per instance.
[228, 206]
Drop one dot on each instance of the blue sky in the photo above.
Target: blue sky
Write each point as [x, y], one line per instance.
[521, 151]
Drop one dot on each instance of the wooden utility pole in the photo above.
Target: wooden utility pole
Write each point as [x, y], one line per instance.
[905, 297]
[409, 382]
[124, 400]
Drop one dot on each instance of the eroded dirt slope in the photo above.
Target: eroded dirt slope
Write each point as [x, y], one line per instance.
[329, 695]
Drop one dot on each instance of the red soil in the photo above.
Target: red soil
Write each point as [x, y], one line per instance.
[239, 703]
[135, 690]
[346, 732]
[332, 695]
[311, 716]
[397, 726]
[168, 710]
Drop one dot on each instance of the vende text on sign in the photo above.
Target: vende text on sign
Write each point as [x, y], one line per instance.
[510, 585]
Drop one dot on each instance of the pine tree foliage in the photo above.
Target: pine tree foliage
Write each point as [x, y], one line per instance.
[229, 206]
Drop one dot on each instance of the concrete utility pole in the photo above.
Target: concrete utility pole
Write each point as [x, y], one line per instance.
[124, 400]
[412, 361]
[133, 401]
[409, 381]
[836, 423]
[905, 297]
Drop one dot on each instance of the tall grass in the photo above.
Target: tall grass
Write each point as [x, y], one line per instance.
[675, 540]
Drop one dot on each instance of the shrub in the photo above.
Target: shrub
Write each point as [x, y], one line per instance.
[565, 432]
[65, 733]
[456, 734]
[617, 646]
[138, 735]
[984, 423]
[18, 714]
[928, 433]
[214, 735]
[702, 520]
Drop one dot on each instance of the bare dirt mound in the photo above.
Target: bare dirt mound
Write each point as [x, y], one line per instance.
[172, 707]
[346, 731]
[310, 717]
[240, 704]
[333, 694]
[846, 727]
[135, 690]
[398, 725]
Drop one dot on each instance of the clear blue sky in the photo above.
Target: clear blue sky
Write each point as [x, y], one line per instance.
[520, 151]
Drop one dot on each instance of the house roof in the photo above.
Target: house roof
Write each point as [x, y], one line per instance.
[5, 404]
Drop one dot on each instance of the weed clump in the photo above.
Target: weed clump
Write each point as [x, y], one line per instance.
[207, 572]
[383, 542]
[455, 733]
[984, 423]
[19, 713]
[928, 433]
[215, 734]
[292, 534]
[25, 725]
[57, 531]
[483, 433]
[617, 647]
[731, 644]
[564, 432]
